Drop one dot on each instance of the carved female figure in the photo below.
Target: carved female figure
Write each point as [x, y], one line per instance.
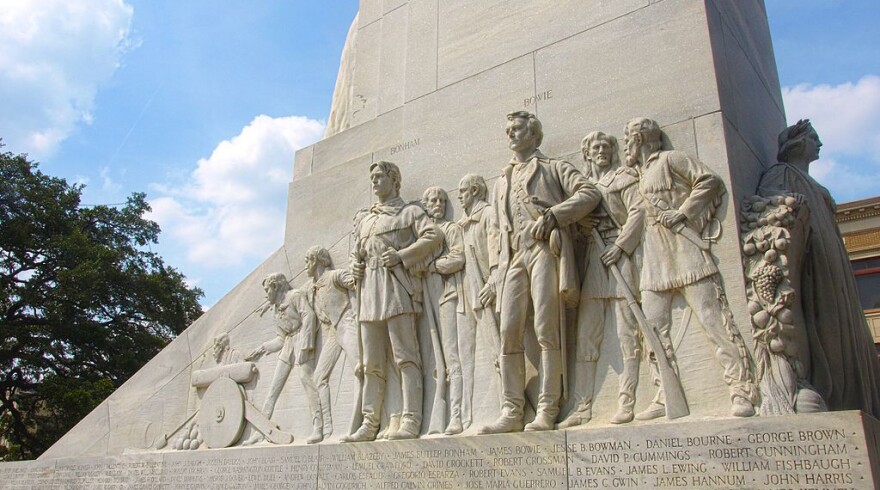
[842, 363]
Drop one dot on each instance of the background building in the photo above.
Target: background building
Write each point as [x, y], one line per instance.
[859, 222]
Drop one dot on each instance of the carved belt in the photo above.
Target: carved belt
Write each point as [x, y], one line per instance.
[375, 263]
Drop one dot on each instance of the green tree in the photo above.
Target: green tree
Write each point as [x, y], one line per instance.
[83, 303]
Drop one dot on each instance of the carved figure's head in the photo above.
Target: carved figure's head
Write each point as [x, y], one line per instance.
[642, 137]
[600, 149]
[524, 131]
[317, 257]
[275, 285]
[799, 142]
[471, 189]
[219, 347]
[386, 179]
[434, 200]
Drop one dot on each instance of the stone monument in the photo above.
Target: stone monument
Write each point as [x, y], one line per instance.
[651, 318]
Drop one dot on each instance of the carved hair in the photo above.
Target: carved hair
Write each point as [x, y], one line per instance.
[534, 124]
[321, 256]
[791, 139]
[436, 191]
[477, 183]
[390, 170]
[599, 135]
[278, 279]
[649, 131]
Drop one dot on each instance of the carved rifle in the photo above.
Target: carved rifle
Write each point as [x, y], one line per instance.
[439, 409]
[676, 404]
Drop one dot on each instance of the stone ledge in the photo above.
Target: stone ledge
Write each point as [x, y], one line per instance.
[828, 450]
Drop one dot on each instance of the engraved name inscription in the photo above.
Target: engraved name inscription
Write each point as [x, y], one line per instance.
[530, 101]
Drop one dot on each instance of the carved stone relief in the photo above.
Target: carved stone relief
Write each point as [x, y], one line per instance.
[838, 356]
[770, 225]
[537, 201]
[394, 241]
[680, 197]
[610, 245]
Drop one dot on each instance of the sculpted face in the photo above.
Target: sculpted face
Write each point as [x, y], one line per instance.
[600, 152]
[311, 266]
[811, 146]
[383, 185]
[436, 205]
[466, 196]
[519, 136]
[631, 143]
[271, 289]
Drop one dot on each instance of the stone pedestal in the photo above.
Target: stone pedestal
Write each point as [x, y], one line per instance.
[824, 451]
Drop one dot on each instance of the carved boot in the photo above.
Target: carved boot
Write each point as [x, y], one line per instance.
[740, 407]
[327, 429]
[373, 396]
[654, 411]
[455, 396]
[513, 375]
[411, 418]
[317, 428]
[583, 412]
[392, 427]
[551, 391]
[626, 400]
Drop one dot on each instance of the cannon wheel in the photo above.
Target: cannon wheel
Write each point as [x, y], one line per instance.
[221, 418]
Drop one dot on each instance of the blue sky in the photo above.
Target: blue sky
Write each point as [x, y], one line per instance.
[202, 105]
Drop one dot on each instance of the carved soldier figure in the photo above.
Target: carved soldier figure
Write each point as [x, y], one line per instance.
[842, 361]
[296, 329]
[481, 243]
[680, 197]
[619, 221]
[446, 270]
[329, 297]
[392, 239]
[537, 199]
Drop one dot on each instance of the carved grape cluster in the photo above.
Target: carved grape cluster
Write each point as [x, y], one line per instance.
[189, 440]
[767, 278]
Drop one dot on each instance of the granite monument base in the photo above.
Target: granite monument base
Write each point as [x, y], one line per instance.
[838, 450]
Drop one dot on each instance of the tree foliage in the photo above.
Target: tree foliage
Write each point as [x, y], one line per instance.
[83, 303]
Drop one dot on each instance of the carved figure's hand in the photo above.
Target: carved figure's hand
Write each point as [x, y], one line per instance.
[587, 224]
[671, 218]
[487, 295]
[544, 226]
[391, 258]
[255, 354]
[357, 270]
[611, 255]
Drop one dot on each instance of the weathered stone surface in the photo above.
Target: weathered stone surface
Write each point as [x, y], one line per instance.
[836, 450]
[421, 48]
[477, 35]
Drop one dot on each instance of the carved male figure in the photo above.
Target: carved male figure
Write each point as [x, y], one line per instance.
[619, 221]
[392, 239]
[537, 199]
[680, 197]
[481, 244]
[842, 361]
[329, 296]
[446, 270]
[296, 329]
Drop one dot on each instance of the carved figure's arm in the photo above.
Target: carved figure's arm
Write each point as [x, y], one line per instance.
[705, 185]
[452, 261]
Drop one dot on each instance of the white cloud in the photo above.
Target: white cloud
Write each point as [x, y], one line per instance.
[233, 207]
[847, 118]
[54, 56]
